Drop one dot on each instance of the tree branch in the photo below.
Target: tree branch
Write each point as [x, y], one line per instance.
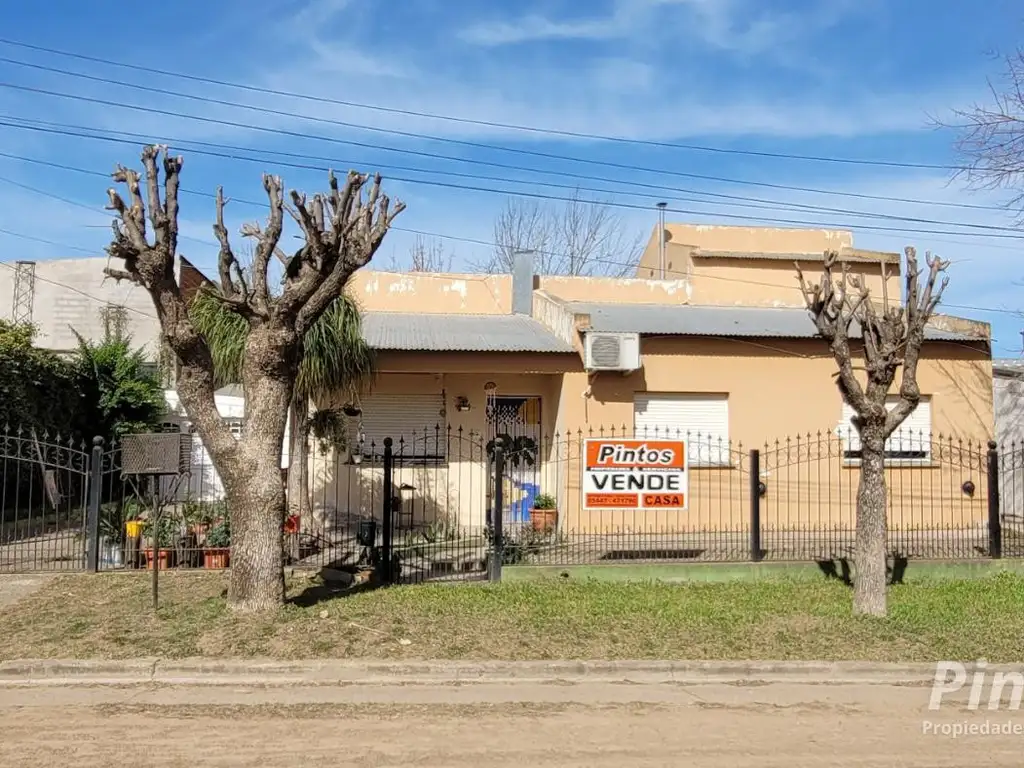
[237, 295]
[919, 310]
[833, 314]
[154, 268]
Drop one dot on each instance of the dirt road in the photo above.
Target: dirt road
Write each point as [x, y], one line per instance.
[496, 725]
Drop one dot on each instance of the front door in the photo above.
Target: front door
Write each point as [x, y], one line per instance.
[517, 419]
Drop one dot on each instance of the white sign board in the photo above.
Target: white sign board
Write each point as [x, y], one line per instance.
[635, 474]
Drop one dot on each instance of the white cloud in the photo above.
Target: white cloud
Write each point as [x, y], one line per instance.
[729, 25]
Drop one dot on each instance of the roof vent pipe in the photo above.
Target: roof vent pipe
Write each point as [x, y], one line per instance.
[661, 239]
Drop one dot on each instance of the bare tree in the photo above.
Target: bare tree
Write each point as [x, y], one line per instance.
[990, 137]
[430, 257]
[341, 232]
[892, 336]
[579, 237]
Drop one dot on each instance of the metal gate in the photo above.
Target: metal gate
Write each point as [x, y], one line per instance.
[517, 421]
[435, 491]
[44, 484]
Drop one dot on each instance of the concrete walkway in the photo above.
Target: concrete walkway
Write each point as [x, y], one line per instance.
[440, 714]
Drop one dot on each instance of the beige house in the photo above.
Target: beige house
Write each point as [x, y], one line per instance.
[710, 341]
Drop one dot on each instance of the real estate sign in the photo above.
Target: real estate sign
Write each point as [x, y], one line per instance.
[635, 474]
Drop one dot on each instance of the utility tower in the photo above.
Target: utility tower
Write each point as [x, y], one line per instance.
[24, 291]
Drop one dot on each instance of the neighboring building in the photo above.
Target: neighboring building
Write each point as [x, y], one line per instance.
[64, 296]
[61, 296]
[1008, 401]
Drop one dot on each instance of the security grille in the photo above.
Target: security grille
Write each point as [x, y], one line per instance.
[156, 454]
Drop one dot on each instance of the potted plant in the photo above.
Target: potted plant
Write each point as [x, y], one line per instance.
[113, 516]
[544, 514]
[200, 516]
[134, 514]
[217, 550]
[162, 540]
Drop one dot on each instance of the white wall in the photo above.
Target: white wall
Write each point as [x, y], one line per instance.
[71, 293]
[205, 484]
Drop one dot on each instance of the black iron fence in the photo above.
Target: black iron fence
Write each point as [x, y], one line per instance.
[452, 504]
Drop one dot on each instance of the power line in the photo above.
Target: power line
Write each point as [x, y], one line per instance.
[479, 145]
[491, 190]
[748, 202]
[45, 241]
[106, 176]
[470, 121]
[67, 201]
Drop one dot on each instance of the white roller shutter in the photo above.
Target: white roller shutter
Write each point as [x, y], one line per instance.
[701, 420]
[415, 423]
[911, 442]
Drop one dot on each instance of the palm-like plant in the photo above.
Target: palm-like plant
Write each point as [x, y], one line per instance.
[335, 359]
[518, 450]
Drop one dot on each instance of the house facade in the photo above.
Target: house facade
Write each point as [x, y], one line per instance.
[716, 349]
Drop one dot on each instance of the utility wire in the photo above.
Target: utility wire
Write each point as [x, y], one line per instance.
[106, 176]
[44, 241]
[357, 126]
[471, 121]
[748, 202]
[67, 201]
[505, 192]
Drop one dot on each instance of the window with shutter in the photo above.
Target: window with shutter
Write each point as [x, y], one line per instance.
[700, 419]
[416, 425]
[912, 442]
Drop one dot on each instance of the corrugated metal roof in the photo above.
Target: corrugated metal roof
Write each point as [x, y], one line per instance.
[691, 320]
[459, 333]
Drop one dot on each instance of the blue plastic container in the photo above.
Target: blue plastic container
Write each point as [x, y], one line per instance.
[519, 510]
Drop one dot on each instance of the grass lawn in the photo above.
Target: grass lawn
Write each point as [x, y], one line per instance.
[109, 616]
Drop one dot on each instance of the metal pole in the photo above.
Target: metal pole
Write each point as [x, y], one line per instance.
[661, 239]
[387, 534]
[995, 526]
[755, 506]
[498, 523]
[92, 514]
[155, 479]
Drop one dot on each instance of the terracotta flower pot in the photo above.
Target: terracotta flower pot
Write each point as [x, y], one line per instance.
[544, 520]
[216, 558]
[164, 555]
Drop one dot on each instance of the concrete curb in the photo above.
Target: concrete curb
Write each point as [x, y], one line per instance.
[336, 672]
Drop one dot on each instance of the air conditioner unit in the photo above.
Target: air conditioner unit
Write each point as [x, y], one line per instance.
[612, 351]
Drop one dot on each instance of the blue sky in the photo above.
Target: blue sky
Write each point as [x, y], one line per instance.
[834, 78]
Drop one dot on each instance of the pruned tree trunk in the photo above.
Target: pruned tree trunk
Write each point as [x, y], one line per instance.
[870, 554]
[255, 493]
[298, 462]
[892, 337]
[341, 233]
